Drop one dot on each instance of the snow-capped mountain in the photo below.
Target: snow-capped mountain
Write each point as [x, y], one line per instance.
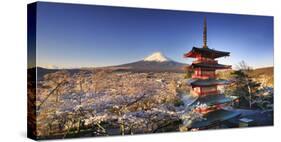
[156, 62]
[158, 57]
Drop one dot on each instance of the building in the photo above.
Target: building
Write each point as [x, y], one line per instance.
[211, 102]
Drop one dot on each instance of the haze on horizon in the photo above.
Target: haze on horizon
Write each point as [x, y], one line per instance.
[71, 36]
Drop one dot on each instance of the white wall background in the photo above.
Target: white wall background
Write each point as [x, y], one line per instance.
[13, 61]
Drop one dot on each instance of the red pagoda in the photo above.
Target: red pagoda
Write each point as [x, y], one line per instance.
[211, 101]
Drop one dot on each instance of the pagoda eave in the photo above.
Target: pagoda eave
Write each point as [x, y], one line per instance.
[213, 99]
[205, 52]
[210, 66]
[207, 82]
[213, 118]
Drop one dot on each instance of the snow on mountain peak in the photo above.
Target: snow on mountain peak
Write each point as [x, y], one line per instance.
[157, 56]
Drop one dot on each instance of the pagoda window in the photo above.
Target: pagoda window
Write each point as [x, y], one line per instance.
[196, 90]
[209, 89]
[197, 71]
[205, 60]
[204, 74]
[208, 73]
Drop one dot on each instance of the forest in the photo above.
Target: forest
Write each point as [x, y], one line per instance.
[106, 102]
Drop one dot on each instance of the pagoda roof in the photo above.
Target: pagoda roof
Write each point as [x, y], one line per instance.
[206, 82]
[205, 52]
[206, 65]
[214, 117]
[213, 99]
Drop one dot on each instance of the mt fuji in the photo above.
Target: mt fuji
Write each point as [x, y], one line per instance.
[156, 62]
[157, 57]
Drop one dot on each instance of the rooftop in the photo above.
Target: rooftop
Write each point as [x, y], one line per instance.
[205, 52]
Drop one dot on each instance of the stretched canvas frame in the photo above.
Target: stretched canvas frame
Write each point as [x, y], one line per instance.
[87, 77]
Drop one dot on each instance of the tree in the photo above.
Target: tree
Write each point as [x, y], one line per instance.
[79, 85]
[54, 81]
[244, 86]
[98, 80]
[48, 100]
[189, 72]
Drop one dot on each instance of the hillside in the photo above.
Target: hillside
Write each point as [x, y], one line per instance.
[263, 75]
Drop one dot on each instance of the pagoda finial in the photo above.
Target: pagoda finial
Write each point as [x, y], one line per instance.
[205, 34]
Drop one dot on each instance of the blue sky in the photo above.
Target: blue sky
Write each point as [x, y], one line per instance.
[71, 35]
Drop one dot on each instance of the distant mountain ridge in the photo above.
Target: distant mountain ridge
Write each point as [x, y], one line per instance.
[43, 71]
[156, 62]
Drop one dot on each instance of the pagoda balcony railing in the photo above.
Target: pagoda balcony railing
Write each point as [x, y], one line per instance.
[194, 93]
[208, 61]
[204, 76]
